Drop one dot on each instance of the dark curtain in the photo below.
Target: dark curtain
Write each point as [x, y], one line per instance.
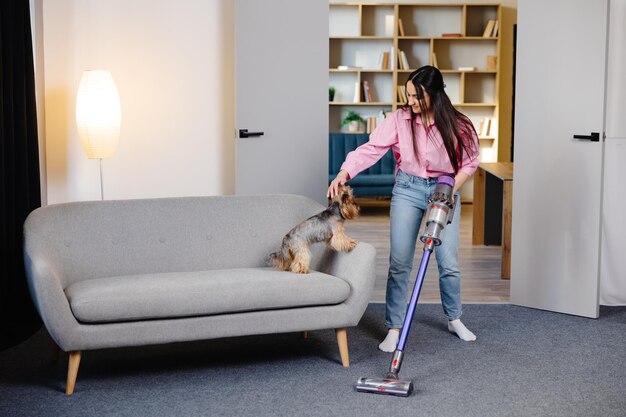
[19, 168]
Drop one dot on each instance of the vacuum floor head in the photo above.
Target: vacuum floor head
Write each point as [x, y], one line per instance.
[385, 386]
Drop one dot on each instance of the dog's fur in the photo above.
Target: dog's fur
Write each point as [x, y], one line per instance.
[328, 226]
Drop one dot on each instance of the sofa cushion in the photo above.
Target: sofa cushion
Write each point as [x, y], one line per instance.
[200, 293]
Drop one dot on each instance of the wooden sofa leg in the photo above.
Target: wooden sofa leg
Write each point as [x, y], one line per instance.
[342, 341]
[72, 371]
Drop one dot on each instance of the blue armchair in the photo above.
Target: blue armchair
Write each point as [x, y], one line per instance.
[377, 181]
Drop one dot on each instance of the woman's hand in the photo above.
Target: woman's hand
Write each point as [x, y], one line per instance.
[340, 179]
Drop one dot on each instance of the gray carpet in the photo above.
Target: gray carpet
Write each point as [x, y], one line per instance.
[525, 363]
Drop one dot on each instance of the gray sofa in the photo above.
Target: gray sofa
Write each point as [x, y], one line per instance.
[107, 274]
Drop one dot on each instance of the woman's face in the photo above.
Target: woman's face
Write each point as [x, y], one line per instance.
[412, 98]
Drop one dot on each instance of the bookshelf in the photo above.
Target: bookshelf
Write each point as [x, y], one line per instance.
[462, 40]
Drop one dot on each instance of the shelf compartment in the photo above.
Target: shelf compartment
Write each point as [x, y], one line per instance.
[337, 113]
[480, 88]
[417, 52]
[343, 20]
[363, 53]
[477, 18]
[453, 53]
[344, 82]
[430, 21]
[378, 20]
[380, 86]
[453, 86]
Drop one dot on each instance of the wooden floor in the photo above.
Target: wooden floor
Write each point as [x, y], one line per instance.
[480, 265]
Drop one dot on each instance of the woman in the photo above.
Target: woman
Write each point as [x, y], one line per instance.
[429, 138]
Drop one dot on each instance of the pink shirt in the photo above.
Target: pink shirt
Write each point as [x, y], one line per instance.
[395, 133]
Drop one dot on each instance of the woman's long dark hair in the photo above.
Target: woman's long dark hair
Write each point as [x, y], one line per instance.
[454, 127]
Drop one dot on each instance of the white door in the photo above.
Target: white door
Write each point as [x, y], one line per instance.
[282, 91]
[560, 92]
[613, 261]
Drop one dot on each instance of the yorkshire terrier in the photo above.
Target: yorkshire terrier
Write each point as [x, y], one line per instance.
[328, 226]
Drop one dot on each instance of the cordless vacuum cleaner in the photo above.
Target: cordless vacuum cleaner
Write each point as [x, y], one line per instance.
[438, 215]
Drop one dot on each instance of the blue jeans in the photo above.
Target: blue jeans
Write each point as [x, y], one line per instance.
[408, 204]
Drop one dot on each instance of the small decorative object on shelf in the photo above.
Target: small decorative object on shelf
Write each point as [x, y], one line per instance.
[331, 93]
[348, 68]
[353, 120]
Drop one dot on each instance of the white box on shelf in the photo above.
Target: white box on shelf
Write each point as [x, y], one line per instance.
[389, 21]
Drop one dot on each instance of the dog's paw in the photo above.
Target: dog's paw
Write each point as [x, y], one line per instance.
[299, 268]
[352, 244]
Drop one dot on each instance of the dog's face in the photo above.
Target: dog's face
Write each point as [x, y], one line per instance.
[348, 206]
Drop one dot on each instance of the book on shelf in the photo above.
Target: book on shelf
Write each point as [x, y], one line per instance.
[434, 60]
[493, 127]
[400, 27]
[485, 126]
[384, 60]
[357, 93]
[372, 122]
[489, 28]
[393, 59]
[494, 32]
[403, 60]
[466, 68]
[451, 35]
[367, 92]
[402, 94]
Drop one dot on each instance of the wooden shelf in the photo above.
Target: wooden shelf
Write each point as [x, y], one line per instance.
[360, 33]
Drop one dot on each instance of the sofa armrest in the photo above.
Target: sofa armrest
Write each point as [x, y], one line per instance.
[357, 268]
[50, 301]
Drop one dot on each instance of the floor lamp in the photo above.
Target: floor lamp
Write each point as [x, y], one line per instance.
[98, 116]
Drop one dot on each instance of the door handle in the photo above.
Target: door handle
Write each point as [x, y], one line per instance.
[243, 133]
[594, 137]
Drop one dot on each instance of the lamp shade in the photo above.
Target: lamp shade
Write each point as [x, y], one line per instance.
[98, 114]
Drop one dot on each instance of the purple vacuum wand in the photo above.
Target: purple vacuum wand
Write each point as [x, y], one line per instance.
[438, 215]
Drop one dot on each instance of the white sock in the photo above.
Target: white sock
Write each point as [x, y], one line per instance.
[455, 326]
[391, 341]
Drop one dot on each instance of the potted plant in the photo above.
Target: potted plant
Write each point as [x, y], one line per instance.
[331, 93]
[353, 120]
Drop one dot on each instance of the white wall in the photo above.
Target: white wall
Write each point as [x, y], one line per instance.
[173, 64]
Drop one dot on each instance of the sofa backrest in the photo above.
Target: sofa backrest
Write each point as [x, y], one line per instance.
[340, 144]
[84, 240]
